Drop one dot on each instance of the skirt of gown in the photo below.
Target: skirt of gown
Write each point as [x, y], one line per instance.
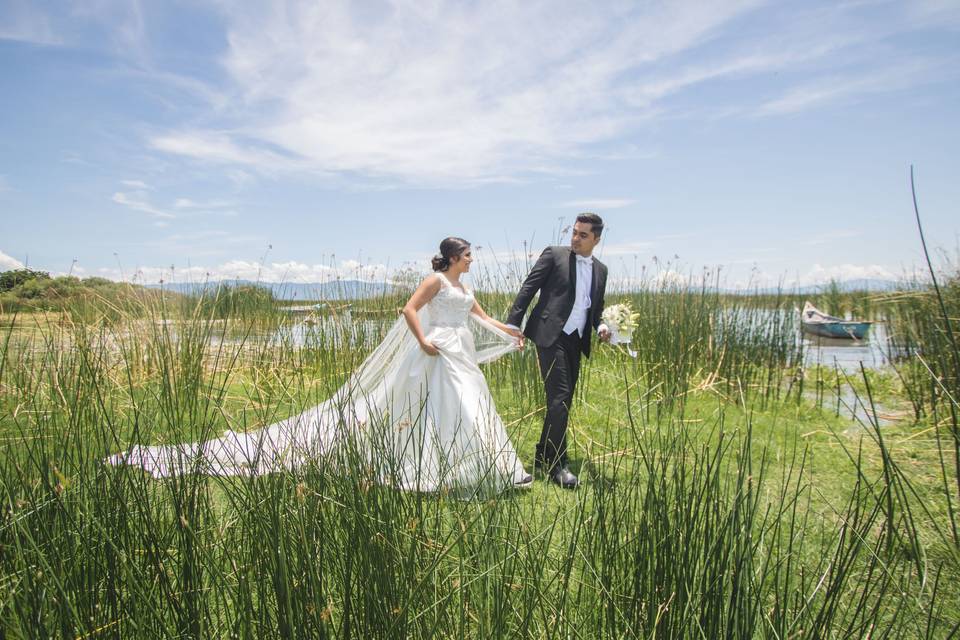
[450, 435]
[419, 422]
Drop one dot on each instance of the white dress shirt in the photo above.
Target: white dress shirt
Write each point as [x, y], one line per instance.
[581, 301]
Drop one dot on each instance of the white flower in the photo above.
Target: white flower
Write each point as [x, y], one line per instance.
[621, 319]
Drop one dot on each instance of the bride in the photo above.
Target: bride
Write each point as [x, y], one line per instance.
[417, 411]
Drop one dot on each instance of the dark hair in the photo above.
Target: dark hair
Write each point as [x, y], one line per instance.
[595, 222]
[449, 248]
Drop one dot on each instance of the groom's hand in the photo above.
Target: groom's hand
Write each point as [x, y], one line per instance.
[604, 333]
[521, 339]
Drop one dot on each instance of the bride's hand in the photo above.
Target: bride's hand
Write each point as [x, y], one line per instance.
[429, 349]
[513, 331]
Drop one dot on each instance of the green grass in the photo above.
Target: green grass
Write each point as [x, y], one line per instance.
[722, 494]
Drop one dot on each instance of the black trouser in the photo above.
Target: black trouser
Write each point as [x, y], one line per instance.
[559, 368]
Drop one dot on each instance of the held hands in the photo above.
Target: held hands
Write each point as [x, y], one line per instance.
[521, 339]
[604, 333]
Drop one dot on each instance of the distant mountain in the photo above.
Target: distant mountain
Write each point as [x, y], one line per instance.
[358, 289]
[335, 290]
[860, 284]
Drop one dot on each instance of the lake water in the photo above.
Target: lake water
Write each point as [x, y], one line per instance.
[309, 329]
[847, 355]
[873, 351]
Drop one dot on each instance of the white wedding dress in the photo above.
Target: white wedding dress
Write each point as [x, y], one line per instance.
[419, 422]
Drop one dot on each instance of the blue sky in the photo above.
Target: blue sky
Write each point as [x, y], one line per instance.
[301, 141]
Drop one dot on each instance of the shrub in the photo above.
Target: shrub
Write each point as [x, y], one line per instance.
[16, 277]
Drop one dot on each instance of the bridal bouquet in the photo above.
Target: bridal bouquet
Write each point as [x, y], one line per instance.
[621, 320]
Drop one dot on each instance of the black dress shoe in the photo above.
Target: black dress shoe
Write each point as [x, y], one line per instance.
[561, 475]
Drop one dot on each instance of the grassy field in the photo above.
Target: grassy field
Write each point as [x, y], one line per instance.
[727, 491]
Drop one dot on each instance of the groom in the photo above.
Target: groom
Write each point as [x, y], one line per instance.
[571, 283]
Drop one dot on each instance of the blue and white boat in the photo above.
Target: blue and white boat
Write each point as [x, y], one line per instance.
[820, 324]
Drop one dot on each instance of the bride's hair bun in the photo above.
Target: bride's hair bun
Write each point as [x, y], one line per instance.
[439, 263]
[450, 247]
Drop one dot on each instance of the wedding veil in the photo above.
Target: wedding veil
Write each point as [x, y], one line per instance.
[345, 418]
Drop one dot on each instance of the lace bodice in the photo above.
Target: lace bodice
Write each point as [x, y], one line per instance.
[451, 306]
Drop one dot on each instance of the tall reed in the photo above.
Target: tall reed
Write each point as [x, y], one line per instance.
[681, 533]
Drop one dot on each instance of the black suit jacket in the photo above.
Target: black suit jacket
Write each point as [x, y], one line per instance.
[555, 277]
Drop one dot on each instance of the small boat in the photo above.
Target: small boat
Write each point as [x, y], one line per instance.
[820, 324]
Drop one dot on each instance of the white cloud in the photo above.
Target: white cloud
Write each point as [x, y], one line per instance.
[492, 270]
[741, 275]
[187, 207]
[239, 177]
[857, 84]
[137, 201]
[73, 157]
[657, 88]
[20, 22]
[463, 93]
[355, 270]
[737, 279]
[448, 93]
[7, 262]
[933, 13]
[598, 204]
[290, 271]
[843, 272]
[187, 203]
[669, 278]
[136, 184]
[119, 27]
[452, 93]
[221, 147]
